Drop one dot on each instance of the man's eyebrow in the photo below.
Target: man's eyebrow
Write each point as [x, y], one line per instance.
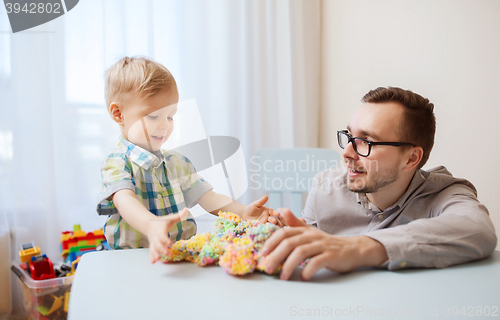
[369, 134]
[365, 133]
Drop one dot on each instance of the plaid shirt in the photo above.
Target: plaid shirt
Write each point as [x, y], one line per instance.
[164, 181]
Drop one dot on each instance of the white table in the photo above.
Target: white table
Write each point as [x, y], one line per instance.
[125, 285]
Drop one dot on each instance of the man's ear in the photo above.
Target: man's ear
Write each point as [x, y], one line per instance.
[115, 112]
[415, 156]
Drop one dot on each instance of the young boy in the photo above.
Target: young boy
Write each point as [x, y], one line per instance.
[146, 190]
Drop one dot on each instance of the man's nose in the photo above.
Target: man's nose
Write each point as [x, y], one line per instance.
[349, 152]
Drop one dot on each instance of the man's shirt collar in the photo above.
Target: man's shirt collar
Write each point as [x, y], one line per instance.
[365, 202]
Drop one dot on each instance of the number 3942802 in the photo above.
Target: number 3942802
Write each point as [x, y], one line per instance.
[471, 311]
[34, 7]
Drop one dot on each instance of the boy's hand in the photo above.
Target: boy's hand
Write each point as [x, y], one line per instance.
[275, 218]
[257, 211]
[158, 233]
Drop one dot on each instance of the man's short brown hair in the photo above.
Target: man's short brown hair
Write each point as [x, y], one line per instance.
[138, 75]
[419, 123]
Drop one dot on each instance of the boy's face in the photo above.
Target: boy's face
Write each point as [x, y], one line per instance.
[148, 123]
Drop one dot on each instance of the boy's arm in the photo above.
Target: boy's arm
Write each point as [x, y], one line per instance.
[154, 227]
[194, 192]
[214, 202]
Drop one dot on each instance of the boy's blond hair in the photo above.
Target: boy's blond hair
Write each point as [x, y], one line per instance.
[139, 75]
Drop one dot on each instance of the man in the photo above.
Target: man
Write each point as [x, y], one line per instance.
[396, 215]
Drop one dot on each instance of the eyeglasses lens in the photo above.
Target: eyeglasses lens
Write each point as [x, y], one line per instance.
[361, 146]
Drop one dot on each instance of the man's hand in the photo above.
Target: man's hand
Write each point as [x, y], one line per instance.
[337, 253]
[257, 211]
[157, 233]
[276, 218]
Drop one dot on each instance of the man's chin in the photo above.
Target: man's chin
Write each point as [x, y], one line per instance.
[356, 186]
[360, 190]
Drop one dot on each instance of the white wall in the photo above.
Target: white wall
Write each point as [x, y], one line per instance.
[446, 50]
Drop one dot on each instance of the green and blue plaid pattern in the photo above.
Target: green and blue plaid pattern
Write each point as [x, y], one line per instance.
[160, 183]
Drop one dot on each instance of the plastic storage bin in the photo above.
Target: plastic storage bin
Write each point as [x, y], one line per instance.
[44, 299]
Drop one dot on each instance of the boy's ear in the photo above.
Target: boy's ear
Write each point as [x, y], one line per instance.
[115, 112]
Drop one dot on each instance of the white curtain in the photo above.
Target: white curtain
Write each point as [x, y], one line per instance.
[252, 66]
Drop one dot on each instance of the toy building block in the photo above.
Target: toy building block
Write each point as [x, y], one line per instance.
[28, 250]
[77, 242]
[58, 302]
[103, 247]
[54, 302]
[62, 270]
[66, 301]
[74, 265]
[41, 268]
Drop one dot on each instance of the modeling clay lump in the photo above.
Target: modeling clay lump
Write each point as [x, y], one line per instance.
[235, 245]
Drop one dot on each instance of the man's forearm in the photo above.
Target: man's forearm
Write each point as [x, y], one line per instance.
[372, 252]
[454, 237]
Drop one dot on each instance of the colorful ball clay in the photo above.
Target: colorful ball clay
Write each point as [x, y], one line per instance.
[260, 233]
[211, 252]
[226, 221]
[235, 245]
[187, 249]
[238, 259]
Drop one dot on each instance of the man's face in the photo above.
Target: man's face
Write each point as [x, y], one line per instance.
[377, 122]
[148, 123]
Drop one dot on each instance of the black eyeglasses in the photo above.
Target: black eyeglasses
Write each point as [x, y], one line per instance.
[362, 146]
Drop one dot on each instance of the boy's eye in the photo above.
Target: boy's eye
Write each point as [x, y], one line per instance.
[170, 118]
[152, 117]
